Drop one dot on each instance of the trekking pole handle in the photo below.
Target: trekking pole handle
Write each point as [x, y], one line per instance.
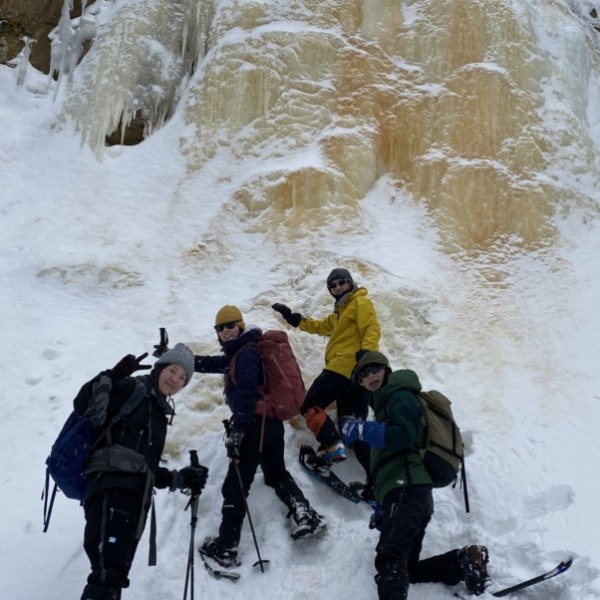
[194, 458]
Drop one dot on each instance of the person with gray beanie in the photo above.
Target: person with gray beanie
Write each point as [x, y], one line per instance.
[353, 329]
[124, 465]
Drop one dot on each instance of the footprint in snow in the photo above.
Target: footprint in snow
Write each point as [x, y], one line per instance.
[557, 497]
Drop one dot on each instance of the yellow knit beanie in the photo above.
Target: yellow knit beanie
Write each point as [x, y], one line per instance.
[230, 314]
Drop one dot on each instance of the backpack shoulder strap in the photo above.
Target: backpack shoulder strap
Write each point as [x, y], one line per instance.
[127, 407]
[131, 403]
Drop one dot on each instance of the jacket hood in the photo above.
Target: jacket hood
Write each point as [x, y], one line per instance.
[403, 379]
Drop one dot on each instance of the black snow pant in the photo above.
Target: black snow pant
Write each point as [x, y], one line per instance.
[351, 400]
[110, 541]
[407, 512]
[275, 473]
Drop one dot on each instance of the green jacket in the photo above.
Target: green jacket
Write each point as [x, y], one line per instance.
[352, 326]
[399, 463]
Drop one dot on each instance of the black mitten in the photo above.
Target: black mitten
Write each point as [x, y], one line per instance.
[291, 318]
[194, 478]
[128, 365]
[282, 309]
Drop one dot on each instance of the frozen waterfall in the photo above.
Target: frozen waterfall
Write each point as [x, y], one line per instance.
[453, 99]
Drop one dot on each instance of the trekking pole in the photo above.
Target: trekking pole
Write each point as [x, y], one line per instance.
[235, 462]
[464, 482]
[163, 345]
[193, 505]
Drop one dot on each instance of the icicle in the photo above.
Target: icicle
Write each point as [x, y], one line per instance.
[68, 39]
[143, 54]
[23, 60]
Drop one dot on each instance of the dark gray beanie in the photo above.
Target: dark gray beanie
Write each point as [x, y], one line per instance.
[340, 274]
[179, 355]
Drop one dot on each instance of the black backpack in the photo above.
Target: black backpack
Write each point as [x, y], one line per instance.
[71, 450]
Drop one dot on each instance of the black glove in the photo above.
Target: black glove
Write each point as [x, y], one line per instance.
[98, 404]
[163, 345]
[233, 443]
[194, 478]
[128, 365]
[189, 479]
[292, 319]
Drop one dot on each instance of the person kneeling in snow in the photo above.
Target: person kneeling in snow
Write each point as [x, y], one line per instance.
[124, 467]
[403, 487]
[253, 440]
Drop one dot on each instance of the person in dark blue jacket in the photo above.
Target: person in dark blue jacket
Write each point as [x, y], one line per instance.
[254, 440]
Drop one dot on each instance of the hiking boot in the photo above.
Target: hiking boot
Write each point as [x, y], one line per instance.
[100, 592]
[212, 550]
[308, 521]
[334, 453]
[367, 491]
[392, 580]
[472, 561]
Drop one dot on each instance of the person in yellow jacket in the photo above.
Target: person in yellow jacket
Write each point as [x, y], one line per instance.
[353, 329]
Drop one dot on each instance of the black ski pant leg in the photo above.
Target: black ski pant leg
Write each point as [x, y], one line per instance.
[406, 514]
[110, 541]
[327, 388]
[355, 403]
[273, 465]
[443, 568]
[233, 509]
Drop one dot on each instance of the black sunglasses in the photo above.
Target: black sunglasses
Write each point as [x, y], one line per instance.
[370, 371]
[230, 325]
[337, 283]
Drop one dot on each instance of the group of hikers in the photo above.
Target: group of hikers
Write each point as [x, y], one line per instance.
[355, 376]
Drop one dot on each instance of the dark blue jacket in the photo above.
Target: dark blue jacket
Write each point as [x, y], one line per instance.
[243, 369]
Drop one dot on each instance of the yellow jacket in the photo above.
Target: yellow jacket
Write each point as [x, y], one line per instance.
[352, 326]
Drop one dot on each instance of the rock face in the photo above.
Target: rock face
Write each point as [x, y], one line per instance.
[33, 19]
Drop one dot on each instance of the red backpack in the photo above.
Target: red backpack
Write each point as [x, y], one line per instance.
[283, 392]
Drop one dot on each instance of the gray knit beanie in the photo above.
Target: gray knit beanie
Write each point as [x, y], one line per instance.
[179, 355]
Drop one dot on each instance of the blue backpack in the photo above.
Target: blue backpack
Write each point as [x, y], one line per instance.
[71, 450]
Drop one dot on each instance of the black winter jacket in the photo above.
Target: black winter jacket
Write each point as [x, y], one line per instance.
[143, 430]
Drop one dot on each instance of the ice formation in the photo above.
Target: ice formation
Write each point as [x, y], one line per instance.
[315, 101]
[21, 61]
[448, 98]
[141, 55]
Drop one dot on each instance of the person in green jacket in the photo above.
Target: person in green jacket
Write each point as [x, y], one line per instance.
[352, 329]
[403, 487]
